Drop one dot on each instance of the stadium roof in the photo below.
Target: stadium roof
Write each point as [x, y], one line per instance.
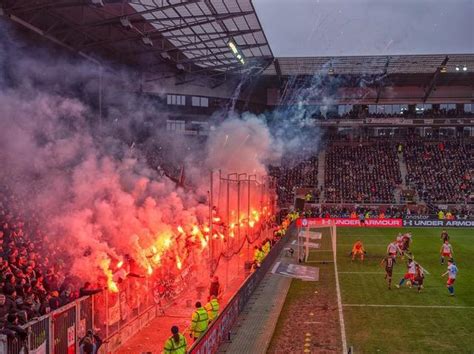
[164, 38]
[201, 30]
[190, 35]
[371, 65]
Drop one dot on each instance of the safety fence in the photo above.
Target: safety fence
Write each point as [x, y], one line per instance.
[115, 317]
[219, 330]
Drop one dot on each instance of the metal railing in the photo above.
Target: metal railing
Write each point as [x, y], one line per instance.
[106, 313]
[219, 330]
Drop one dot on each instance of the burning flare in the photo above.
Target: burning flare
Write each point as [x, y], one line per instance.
[179, 265]
[104, 264]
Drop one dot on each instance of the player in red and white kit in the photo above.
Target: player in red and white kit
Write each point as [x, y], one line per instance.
[399, 239]
[451, 272]
[393, 249]
[409, 275]
[446, 251]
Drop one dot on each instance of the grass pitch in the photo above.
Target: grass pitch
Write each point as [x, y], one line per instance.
[379, 320]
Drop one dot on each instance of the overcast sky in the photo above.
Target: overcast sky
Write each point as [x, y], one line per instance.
[367, 27]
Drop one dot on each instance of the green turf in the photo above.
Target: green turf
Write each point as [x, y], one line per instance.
[402, 329]
[300, 289]
[396, 329]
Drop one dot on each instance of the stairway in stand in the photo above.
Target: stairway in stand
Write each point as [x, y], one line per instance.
[403, 172]
[321, 169]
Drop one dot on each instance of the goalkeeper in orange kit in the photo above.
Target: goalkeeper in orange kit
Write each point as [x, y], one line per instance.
[358, 249]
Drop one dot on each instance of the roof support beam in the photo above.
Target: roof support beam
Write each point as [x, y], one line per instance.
[158, 32]
[276, 63]
[222, 50]
[379, 81]
[434, 79]
[197, 43]
[36, 7]
[116, 19]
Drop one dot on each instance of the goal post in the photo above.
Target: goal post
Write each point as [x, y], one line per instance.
[309, 232]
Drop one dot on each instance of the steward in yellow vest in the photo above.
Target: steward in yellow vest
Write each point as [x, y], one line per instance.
[258, 256]
[200, 321]
[212, 308]
[266, 248]
[176, 344]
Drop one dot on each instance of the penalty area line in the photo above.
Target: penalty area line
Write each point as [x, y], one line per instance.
[380, 273]
[410, 306]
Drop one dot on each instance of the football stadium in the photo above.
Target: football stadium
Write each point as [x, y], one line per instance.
[236, 176]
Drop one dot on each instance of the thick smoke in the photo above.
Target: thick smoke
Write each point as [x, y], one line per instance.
[243, 145]
[88, 180]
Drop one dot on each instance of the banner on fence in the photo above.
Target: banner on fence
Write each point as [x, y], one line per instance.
[346, 222]
[406, 222]
[39, 350]
[71, 340]
[437, 223]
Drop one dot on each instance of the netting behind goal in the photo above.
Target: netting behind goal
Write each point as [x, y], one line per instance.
[310, 235]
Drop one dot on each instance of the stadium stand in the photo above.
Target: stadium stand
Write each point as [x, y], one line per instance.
[440, 172]
[304, 174]
[363, 173]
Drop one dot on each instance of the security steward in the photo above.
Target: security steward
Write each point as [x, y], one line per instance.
[176, 344]
[200, 321]
[212, 308]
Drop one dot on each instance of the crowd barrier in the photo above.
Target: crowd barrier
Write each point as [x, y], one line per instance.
[405, 222]
[115, 317]
[219, 330]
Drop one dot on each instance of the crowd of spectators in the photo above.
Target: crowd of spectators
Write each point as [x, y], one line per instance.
[341, 211]
[290, 177]
[33, 278]
[386, 212]
[364, 173]
[440, 172]
[428, 113]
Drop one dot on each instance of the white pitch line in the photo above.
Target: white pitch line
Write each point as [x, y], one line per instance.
[275, 267]
[410, 306]
[365, 243]
[339, 300]
[369, 273]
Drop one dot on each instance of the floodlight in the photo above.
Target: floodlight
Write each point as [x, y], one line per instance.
[236, 51]
[457, 68]
[464, 68]
[233, 47]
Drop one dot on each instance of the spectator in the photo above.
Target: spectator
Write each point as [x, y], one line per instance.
[88, 290]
